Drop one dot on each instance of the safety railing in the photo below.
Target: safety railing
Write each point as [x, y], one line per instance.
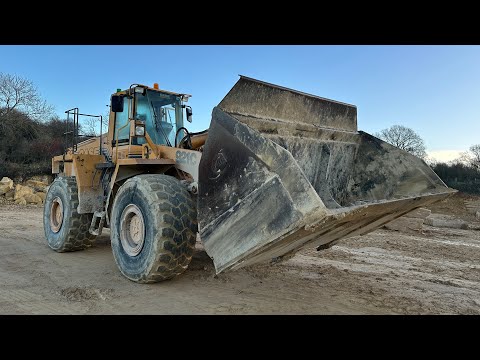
[72, 135]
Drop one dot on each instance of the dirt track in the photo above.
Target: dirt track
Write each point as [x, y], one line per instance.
[385, 272]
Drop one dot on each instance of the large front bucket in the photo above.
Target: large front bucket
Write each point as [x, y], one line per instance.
[283, 170]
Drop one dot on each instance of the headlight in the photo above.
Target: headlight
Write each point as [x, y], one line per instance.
[140, 130]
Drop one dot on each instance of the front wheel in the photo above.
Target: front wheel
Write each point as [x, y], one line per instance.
[153, 228]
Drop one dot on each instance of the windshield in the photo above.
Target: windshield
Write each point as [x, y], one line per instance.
[162, 114]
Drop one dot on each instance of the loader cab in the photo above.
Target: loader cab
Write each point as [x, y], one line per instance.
[160, 113]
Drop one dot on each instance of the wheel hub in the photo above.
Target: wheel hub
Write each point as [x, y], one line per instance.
[56, 214]
[132, 230]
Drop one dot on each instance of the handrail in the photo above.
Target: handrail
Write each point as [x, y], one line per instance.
[76, 114]
[116, 138]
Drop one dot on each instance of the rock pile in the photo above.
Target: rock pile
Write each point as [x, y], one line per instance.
[33, 191]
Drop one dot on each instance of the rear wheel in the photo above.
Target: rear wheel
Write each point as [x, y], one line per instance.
[65, 229]
[153, 228]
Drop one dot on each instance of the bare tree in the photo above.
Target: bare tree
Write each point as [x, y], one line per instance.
[105, 120]
[472, 157]
[91, 126]
[405, 139]
[17, 93]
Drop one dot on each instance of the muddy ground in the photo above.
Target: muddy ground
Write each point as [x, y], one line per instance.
[436, 271]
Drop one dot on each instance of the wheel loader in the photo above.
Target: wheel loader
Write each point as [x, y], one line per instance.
[277, 171]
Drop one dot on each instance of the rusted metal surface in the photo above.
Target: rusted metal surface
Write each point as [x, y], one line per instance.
[283, 170]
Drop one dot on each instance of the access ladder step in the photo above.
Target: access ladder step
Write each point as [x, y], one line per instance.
[96, 225]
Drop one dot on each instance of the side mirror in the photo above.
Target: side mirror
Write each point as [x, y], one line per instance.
[117, 103]
[189, 112]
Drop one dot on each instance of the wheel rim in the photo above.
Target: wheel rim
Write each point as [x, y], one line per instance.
[56, 214]
[132, 230]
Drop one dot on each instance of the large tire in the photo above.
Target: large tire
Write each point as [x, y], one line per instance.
[65, 229]
[153, 228]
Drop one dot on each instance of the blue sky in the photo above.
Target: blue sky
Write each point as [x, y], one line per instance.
[435, 90]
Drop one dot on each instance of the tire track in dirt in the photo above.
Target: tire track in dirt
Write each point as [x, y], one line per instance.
[384, 272]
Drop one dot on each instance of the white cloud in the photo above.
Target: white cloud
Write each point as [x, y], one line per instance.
[444, 155]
